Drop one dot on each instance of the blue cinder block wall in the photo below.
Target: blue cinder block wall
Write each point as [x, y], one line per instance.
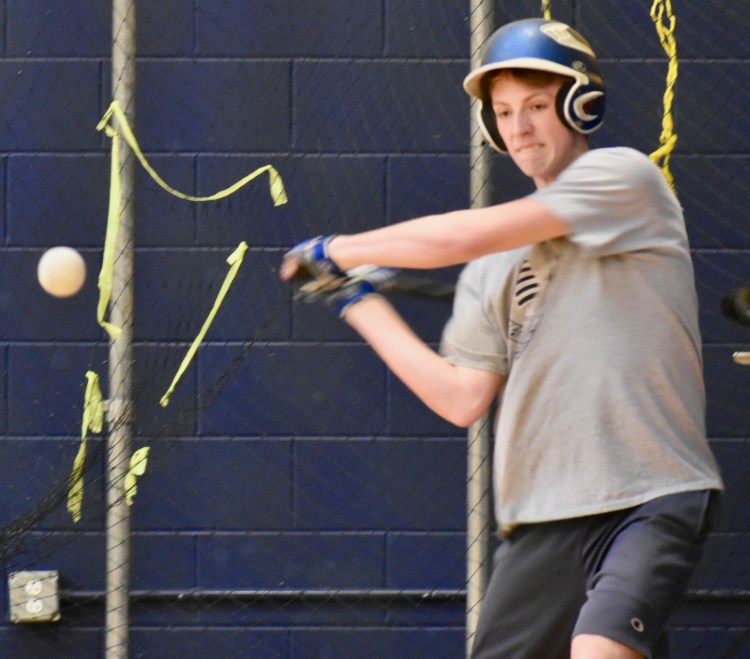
[287, 425]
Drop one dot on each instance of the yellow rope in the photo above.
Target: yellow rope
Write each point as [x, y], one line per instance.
[660, 10]
[546, 9]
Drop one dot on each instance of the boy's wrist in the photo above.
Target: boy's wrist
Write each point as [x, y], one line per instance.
[359, 292]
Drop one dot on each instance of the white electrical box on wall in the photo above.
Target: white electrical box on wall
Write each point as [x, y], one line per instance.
[34, 596]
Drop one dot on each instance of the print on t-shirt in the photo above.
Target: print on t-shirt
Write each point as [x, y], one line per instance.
[531, 282]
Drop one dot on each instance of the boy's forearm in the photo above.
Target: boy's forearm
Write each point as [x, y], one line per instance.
[458, 395]
[437, 241]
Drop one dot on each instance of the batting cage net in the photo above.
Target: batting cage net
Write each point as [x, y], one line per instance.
[197, 463]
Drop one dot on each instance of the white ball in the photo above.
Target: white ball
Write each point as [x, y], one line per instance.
[61, 271]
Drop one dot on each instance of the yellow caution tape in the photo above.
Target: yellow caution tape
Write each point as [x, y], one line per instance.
[137, 468]
[93, 419]
[276, 188]
[235, 261]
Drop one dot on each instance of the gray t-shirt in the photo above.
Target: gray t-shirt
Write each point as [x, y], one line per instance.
[597, 337]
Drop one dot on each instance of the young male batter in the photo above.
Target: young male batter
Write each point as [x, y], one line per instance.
[578, 313]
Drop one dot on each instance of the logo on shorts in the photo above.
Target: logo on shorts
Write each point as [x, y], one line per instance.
[637, 624]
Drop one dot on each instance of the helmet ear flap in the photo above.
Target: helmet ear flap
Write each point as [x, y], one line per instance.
[563, 103]
[488, 126]
[580, 107]
[486, 116]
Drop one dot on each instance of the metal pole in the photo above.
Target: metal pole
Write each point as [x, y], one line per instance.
[482, 26]
[479, 474]
[120, 405]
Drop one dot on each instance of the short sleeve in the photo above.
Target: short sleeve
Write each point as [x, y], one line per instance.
[614, 200]
[473, 336]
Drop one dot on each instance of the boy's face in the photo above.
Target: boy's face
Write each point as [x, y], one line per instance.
[536, 139]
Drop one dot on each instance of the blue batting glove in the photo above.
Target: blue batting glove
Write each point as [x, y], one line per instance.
[310, 258]
[349, 294]
[343, 292]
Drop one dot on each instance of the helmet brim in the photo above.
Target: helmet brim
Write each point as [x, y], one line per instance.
[473, 81]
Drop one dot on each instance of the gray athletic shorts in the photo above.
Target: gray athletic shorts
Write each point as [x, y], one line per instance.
[617, 575]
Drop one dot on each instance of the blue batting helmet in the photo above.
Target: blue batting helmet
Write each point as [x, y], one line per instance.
[542, 45]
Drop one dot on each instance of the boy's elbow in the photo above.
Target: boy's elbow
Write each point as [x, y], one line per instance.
[461, 422]
[464, 417]
[466, 403]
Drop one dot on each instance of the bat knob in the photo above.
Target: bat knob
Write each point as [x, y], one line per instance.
[736, 305]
